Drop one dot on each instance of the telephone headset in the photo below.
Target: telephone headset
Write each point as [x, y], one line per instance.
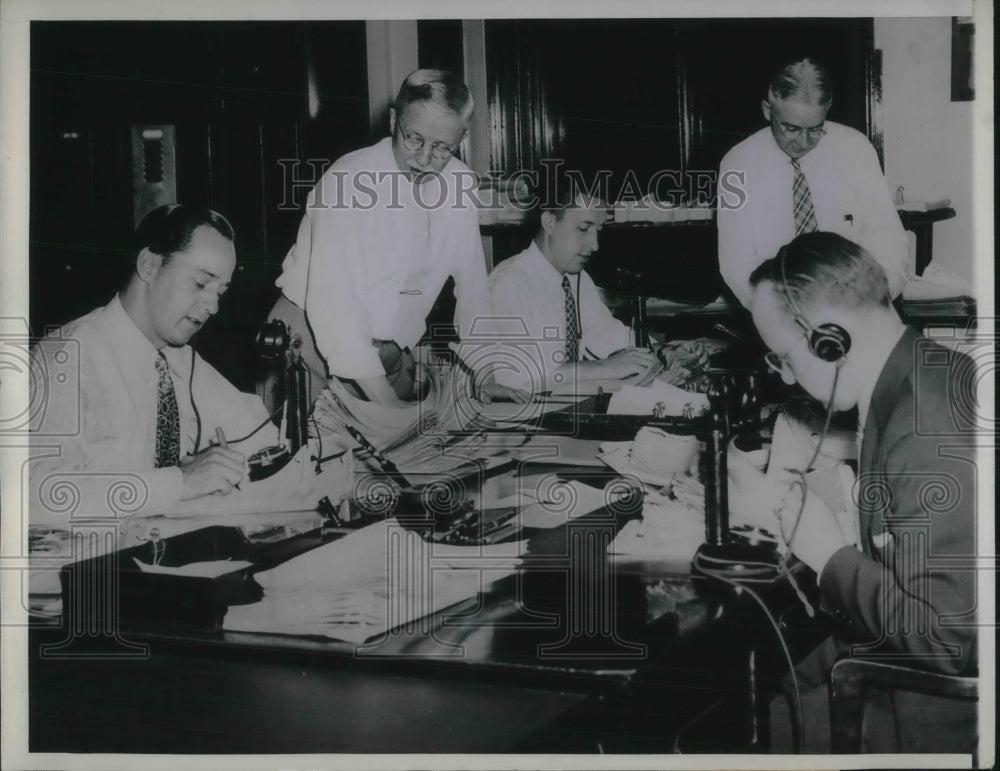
[827, 342]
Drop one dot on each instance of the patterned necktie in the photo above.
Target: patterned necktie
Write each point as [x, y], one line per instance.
[168, 420]
[805, 215]
[572, 329]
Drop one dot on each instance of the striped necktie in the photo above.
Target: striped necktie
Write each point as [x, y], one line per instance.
[805, 215]
[168, 421]
[572, 325]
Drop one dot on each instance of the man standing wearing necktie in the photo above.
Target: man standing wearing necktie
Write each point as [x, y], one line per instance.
[800, 174]
[383, 230]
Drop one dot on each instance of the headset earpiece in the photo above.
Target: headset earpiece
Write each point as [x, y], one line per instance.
[829, 342]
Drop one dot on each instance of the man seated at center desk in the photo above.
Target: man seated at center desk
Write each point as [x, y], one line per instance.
[568, 338]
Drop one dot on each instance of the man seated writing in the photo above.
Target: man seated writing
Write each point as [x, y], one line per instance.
[148, 406]
[823, 308]
[560, 334]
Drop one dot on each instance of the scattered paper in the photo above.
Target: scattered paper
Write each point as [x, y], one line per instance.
[212, 569]
[618, 455]
[549, 448]
[668, 400]
[936, 283]
[372, 580]
[512, 412]
[562, 501]
[794, 441]
[669, 530]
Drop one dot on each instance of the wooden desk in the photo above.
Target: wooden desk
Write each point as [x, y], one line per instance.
[569, 654]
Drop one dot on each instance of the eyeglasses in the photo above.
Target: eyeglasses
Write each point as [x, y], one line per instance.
[795, 132]
[439, 150]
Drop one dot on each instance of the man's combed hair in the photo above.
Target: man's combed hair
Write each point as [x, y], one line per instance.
[558, 189]
[826, 268]
[167, 229]
[437, 86]
[805, 79]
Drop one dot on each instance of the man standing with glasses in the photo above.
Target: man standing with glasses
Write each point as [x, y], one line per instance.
[383, 230]
[800, 174]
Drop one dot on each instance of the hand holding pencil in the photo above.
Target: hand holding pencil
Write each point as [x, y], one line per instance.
[217, 471]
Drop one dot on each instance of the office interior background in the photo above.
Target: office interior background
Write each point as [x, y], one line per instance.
[255, 110]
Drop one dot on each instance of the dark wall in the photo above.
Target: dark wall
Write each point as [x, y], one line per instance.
[237, 95]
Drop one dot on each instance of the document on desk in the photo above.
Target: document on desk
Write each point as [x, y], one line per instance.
[551, 448]
[512, 412]
[212, 569]
[672, 525]
[668, 530]
[370, 581]
[545, 501]
[668, 400]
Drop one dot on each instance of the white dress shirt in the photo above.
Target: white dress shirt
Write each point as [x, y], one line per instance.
[848, 191]
[95, 391]
[530, 307]
[373, 252]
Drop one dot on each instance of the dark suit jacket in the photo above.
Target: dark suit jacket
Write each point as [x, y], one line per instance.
[909, 597]
[911, 594]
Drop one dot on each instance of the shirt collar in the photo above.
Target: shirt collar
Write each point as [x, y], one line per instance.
[132, 346]
[384, 159]
[130, 343]
[542, 269]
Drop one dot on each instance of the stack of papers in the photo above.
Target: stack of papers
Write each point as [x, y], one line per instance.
[936, 283]
[669, 530]
[920, 204]
[373, 580]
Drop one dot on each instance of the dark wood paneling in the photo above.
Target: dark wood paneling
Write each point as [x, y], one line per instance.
[238, 95]
[439, 45]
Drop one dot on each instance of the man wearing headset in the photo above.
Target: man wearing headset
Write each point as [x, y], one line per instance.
[147, 406]
[560, 333]
[822, 306]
